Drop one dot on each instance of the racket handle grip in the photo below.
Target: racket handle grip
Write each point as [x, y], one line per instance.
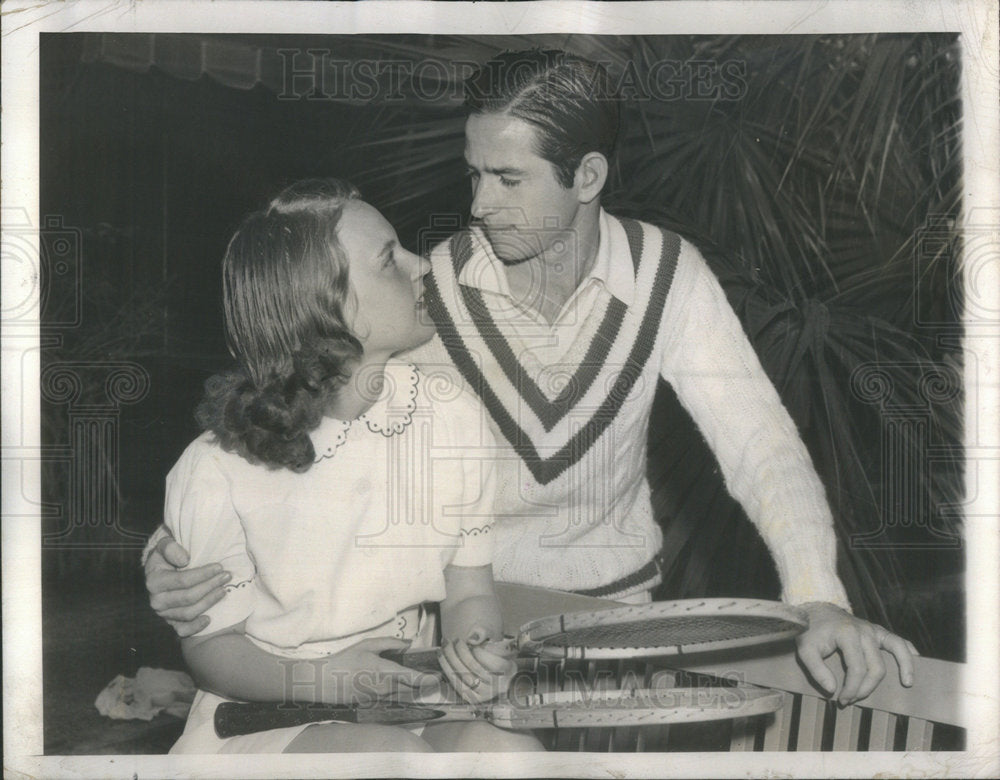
[418, 660]
[234, 719]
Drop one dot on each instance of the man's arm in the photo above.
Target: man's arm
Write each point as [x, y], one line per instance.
[719, 380]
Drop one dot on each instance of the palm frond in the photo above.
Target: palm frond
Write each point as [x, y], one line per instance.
[809, 194]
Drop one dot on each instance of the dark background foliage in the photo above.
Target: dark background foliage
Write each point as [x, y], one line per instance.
[819, 175]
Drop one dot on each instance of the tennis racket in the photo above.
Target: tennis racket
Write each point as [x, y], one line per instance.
[627, 707]
[644, 630]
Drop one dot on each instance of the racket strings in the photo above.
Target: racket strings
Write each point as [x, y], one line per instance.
[670, 632]
[626, 699]
[636, 707]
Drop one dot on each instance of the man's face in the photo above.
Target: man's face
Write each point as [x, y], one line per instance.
[523, 208]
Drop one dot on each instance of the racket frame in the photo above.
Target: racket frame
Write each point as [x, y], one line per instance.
[536, 636]
[555, 709]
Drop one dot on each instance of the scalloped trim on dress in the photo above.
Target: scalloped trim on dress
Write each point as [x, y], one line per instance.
[238, 585]
[483, 529]
[383, 419]
[339, 438]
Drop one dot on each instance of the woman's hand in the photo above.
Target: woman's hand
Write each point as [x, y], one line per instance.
[358, 674]
[479, 671]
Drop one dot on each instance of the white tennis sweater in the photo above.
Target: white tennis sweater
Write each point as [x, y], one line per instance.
[569, 404]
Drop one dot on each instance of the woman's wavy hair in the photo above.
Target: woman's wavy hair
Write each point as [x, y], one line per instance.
[285, 289]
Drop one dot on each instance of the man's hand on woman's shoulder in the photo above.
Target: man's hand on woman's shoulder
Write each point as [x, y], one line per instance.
[182, 597]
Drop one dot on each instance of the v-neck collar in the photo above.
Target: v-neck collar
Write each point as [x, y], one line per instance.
[475, 317]
[484, 271]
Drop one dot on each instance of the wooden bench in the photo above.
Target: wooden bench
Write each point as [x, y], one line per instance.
[927, 716]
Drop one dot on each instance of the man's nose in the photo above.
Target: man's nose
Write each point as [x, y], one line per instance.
[483, 200]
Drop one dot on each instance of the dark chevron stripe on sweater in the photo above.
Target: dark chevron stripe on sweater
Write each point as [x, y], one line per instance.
[549, 413]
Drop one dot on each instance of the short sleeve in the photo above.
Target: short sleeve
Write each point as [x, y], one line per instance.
[479, 489]
[467, 476]
[158, 535]
[199, 513]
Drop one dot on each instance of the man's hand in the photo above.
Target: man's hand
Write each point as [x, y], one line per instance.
[859, 642]
[181, 597]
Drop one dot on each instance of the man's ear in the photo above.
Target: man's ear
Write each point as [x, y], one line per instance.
[591, 175]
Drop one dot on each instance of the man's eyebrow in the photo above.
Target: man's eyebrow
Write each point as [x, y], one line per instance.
[508, 171]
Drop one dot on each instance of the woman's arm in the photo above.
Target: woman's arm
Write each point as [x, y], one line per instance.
[471, 603]
[470, 617]
[230, 665]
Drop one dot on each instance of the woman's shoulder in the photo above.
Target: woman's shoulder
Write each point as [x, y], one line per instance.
[206, 456]
[453, 407]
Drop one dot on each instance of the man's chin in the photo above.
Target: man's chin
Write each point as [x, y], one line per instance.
[510, 250]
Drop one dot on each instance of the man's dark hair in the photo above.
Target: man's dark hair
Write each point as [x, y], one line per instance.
[569, 100]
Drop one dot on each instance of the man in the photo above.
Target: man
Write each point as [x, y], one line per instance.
[561, 317]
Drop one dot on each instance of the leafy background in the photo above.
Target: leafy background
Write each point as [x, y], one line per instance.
[824, 191]
[812, 192]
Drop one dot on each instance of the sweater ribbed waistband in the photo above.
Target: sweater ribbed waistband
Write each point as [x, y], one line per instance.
[650, 574]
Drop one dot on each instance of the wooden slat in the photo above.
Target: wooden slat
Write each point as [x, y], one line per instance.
[569, 739]
[883, 731]
[937, 696]
[631, 673]
[597, 739]
[744, 731]
[938, 692]
[777, 731]
[919, 734]
[847, 728]
[654, 739]
[811, 715]
[625, 739]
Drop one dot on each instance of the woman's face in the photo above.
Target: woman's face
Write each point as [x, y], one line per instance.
[387, 282]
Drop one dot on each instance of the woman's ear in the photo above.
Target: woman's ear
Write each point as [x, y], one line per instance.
[591, 175]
